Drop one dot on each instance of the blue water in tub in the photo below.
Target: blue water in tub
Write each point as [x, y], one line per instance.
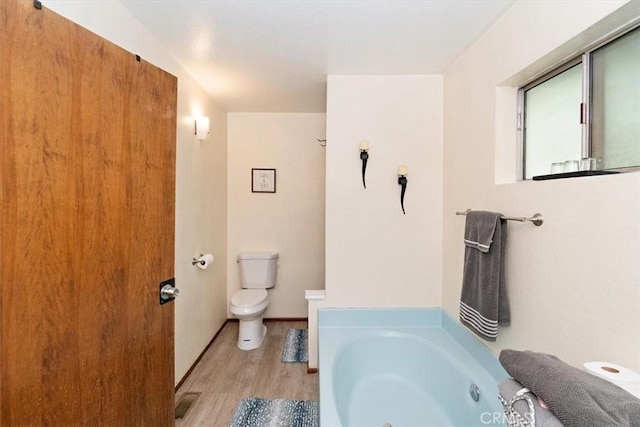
[404, 367]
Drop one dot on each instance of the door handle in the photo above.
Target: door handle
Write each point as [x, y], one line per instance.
[168, 291]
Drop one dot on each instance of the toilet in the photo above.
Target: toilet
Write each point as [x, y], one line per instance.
[257, 274]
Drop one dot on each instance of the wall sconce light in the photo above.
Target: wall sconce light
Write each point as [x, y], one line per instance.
[402, 180]
[364, 156]
[201, 128]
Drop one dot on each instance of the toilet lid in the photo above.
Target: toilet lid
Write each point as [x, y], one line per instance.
[249, 297]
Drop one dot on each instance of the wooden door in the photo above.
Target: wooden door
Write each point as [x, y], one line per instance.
[87, 158]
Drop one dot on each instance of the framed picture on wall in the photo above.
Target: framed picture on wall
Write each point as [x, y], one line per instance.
[263, 180]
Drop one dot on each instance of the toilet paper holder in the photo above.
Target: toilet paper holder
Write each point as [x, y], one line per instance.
[203, 262]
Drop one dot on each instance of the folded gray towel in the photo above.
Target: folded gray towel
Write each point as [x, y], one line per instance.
[543, 416]
[483, 300]
[479, 229]
[576, 397]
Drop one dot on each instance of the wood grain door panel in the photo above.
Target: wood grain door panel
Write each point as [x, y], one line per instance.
[87, 227]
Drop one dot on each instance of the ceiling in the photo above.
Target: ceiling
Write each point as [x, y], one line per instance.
[275, 55]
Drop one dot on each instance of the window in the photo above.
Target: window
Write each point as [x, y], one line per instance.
[588, 107]
[615, 102]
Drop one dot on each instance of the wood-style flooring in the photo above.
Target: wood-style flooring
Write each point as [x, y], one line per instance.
[226, 374]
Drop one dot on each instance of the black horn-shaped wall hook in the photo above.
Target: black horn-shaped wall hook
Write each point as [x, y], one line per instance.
[402, 180]
[364, 156]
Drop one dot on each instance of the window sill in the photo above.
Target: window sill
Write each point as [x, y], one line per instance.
[572, 175]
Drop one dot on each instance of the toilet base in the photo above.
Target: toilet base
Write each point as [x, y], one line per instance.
[251, 334]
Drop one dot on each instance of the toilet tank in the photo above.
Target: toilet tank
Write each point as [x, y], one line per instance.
[258, 269]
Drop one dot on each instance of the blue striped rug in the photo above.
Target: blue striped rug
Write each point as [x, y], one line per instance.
[258, 412]
[295, 348]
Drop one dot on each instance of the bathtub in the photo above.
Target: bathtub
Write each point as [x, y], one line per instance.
[404, 367]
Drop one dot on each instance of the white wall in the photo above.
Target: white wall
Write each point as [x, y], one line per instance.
[201, 227]
[574, 283]
[376, 256]
[290, 221]
[200, 310]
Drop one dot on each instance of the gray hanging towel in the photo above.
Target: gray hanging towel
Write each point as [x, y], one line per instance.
[483, 302]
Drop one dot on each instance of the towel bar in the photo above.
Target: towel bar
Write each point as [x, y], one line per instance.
[537, 219]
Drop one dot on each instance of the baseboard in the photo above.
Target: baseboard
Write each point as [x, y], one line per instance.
[184, 378]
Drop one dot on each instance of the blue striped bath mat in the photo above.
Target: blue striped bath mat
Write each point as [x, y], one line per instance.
[258, 412]
[295, 348]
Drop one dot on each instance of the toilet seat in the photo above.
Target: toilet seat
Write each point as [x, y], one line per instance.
[249, 297]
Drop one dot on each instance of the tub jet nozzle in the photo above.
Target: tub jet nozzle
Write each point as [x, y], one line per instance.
[474, 392]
